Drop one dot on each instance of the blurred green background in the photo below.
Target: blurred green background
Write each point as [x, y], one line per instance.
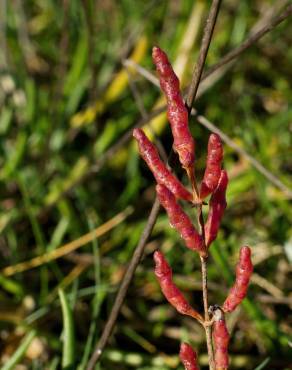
[67, 96]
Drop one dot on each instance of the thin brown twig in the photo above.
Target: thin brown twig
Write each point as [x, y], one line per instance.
[142, 71]
[148, 229]
[206, 40]
[124, 286]
[208, 328]
[196, 78]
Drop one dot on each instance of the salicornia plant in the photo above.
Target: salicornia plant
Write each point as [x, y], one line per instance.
[169, 190]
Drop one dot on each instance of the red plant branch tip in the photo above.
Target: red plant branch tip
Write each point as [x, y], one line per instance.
[177, 113]
[221, 341]
[180, 220]
[244, 271]
[217, 206]
[213, 166]
[169, 189]
[161, 173]
[171, 292]
[188, 357]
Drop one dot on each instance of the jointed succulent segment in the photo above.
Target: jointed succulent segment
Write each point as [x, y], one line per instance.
[244, 271]
[180, 220]
[188, 357]
[217, 205]
[161, 173]
[171, 292]
[177, 113]
[213, 166]
[220, 340]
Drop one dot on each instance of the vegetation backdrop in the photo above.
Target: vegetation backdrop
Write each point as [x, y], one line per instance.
[75, 198]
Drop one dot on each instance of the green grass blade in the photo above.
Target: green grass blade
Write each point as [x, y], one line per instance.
[263, 364]
[11, 286]
[68, 333]
[96, 302]
[54, 363]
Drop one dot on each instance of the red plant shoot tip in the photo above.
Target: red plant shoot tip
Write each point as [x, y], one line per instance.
[213, 166]
[183, 142]
[149, 153]
[217, 206]
[221, 341]
[244, 271]
[169, 190]
[180, 220]
[171, 292]
[188, 357]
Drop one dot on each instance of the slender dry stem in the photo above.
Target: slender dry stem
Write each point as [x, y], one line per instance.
[206, 40]
[204, 260]
[124, 286]
[208, 329]
[195, 190]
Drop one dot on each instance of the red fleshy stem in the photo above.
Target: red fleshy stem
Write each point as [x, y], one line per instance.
[180, 220]
[244, 271]
[171, 292]
[161, 173]
[177, 113]
[188, 357]
[221, 341]
[213, 166]
[217, 206]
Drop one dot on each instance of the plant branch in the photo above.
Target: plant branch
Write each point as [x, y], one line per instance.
[206, 40]
[208, 328]
[204, 260]
[207, 36]
[147, 230]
